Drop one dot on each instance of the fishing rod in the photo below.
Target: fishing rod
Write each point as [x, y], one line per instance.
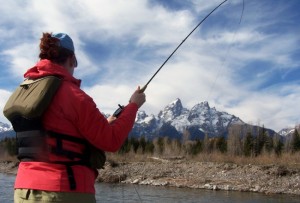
[119, 110]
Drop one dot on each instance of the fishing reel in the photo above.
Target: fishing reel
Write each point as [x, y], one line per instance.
[118, 112]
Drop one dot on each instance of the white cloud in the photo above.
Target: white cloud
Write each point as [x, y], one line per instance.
[270, 108]
[4, 95]
[143, 35]
[21, 58]
[107, 97]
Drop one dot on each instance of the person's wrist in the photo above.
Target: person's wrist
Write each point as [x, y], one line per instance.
[134, 104]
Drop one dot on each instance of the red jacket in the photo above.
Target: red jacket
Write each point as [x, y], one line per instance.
[72, 112]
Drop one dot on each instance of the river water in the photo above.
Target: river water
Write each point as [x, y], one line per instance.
[139, 193]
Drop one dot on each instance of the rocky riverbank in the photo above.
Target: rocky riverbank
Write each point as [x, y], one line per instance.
[10, 167]
[271, 179]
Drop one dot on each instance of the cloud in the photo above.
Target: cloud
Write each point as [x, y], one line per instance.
[270, 108]
[21, 58]
[243, 69]
[4, 95]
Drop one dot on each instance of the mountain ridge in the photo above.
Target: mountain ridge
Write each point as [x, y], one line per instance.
[174, 120]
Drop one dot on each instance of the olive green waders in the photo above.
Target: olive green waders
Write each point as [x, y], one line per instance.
[39, 196]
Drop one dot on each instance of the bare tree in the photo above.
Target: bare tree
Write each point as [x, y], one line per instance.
[234, 143]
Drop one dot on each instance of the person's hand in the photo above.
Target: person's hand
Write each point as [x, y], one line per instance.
[111, 119]
[138, 97]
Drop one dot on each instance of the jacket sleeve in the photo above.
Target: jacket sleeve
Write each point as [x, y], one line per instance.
[96, 129]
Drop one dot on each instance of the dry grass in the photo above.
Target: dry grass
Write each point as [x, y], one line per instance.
[128, 157]
[291, 160]
[286, 159]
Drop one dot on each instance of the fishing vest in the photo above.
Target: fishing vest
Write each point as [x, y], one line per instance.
[25, 108]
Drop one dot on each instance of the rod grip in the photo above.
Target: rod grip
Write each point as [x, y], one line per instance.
[143, 89]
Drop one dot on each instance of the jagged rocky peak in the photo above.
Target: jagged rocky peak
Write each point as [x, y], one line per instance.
[202, 108]
[175, 104]
[172, 110]
[141, 115]
[205, 104]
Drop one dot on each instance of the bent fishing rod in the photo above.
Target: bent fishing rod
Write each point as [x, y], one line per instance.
[119, 110]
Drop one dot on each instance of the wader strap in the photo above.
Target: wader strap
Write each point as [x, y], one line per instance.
[59, 146]
[31, 144]
[27, 194]
[66, 137]
[31, 148]
[28, 152]
[71, 177]
[30, 133]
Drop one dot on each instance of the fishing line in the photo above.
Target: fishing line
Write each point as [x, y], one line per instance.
[123, 171]
[227, 52]
[119, 110]
[144, 88]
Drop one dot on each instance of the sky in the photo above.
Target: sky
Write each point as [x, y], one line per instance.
[247, 66]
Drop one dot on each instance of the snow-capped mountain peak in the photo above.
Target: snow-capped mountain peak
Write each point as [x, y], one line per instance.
[171, 111]
[175, 120]
[286, 131]
[5, 127]
[201, 119]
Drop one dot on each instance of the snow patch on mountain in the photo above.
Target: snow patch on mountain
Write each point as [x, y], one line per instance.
[286, 132]
[5, 127]
[201, 118]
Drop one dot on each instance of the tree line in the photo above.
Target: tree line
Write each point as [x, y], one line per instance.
[9, 146]
[236, 143]
[248, 145]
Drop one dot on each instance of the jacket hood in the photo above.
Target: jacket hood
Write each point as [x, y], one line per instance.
[46, 67]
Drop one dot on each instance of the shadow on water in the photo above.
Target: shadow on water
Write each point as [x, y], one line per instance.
[140, 193]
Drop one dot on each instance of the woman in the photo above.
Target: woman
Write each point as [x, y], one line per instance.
[74, 119]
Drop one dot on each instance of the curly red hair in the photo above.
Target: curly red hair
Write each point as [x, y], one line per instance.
[50, 49]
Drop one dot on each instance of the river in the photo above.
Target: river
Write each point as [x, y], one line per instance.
[140, 193]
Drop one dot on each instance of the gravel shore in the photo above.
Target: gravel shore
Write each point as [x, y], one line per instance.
[270, 179]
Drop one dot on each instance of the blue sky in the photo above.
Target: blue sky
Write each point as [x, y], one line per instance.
[249, 69]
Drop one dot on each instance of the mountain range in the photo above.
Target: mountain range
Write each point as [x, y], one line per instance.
[175, 121]
[6, 130]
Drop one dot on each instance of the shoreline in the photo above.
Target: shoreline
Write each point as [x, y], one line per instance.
[180, 173]
[268, 179]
